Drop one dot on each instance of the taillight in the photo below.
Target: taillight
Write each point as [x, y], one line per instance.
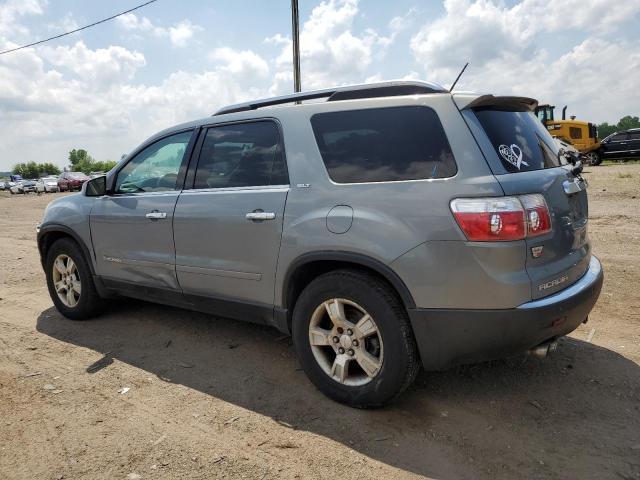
[538, 219]
[499, 219]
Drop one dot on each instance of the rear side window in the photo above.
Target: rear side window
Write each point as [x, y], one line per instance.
[520, 140]
[620, 137]
[242, 155]
[383, 145]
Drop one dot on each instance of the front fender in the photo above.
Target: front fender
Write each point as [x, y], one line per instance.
[68, 216]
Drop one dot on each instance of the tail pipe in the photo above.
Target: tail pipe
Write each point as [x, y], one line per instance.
[542, 350]
[564, 112]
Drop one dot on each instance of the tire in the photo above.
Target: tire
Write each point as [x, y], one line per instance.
[594, 158]
[89, 304]
[392, 347]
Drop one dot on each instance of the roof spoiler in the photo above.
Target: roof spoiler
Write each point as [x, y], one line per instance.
[517, 104]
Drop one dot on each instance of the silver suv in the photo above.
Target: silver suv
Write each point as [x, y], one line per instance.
[383, 226]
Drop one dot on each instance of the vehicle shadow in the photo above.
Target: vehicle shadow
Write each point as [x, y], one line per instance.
[573, 415]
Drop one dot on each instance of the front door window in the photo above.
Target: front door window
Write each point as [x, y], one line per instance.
[154, 169]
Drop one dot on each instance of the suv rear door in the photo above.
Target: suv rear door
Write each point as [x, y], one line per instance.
[634, 143]
[525, 159]
[228, 225]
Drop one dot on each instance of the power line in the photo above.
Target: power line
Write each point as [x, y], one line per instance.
[78, 29]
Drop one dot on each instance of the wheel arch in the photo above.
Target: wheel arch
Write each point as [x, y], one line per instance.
[310, 265]
[51, 233]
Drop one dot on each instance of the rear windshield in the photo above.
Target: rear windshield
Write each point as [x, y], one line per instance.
[383, 145]
[521, 142]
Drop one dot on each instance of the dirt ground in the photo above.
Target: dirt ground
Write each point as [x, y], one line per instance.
[215, 398]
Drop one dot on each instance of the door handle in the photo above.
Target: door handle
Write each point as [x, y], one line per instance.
[259, 216]
[156, 215]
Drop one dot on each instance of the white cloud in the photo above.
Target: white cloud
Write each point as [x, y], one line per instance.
[180, 34]
[502, 45]
[74, 96]
[65, 24]
[103, 66]
[277, 39]
[10, 13]
[131, 21]
[245, 63]
[330, 52]
[481, 31]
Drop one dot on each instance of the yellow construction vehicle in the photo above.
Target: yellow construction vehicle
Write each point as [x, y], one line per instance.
[582, 135]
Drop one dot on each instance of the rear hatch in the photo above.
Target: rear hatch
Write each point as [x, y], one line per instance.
[526, 159]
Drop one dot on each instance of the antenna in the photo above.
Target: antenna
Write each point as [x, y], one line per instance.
[458, 77]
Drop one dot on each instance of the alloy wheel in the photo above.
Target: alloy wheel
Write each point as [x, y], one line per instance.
[346, 342]
[66, 280]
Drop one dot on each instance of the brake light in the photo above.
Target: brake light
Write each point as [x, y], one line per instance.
[499, 219]
[538, 218]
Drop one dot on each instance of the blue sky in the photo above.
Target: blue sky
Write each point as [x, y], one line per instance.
[107, 88]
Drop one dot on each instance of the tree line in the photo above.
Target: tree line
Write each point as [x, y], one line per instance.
[35, 170]
[625, 123]
[79, 161]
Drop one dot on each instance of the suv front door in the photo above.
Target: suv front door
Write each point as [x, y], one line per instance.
[227, 228]
[131, 228]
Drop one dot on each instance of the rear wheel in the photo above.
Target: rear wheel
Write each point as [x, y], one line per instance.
[594, 158]
[353, 338]
[70, 282]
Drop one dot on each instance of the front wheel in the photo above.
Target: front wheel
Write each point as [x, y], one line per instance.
[354, 340]
[594, 158]
[70, 281]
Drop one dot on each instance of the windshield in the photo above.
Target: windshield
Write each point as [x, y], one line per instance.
[521, 141]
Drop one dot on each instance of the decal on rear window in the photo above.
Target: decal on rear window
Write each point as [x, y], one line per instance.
[521, 142]
[512, 154]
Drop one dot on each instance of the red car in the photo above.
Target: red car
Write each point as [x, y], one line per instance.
[71, 181]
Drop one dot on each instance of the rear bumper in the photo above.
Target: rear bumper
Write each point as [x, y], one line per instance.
[448, 337]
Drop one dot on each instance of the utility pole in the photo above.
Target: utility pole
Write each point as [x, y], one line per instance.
[295, 35]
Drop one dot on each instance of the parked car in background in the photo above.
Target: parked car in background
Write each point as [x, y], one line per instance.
[421, 227]
[96, 174]
[25, 186]
[69, 181]
[4, 185]
[622, 144]
[47, 185]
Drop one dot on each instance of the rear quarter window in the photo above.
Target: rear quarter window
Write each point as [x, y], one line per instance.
[520, 140]
[383, 145]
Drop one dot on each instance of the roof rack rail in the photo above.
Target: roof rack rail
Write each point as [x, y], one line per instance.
[351, 92]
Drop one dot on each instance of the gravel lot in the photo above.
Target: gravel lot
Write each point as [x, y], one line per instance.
[214, 398]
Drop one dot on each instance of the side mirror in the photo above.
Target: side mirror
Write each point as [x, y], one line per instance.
[96, 187]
